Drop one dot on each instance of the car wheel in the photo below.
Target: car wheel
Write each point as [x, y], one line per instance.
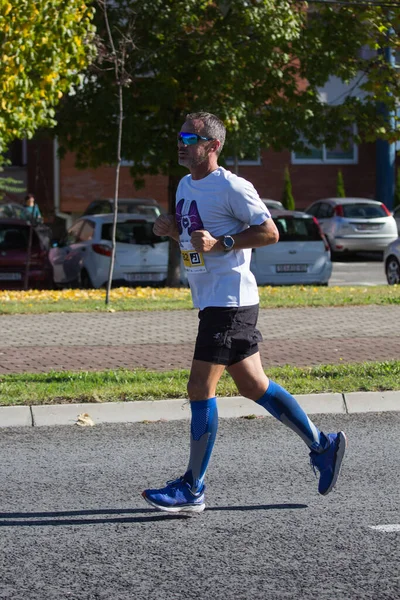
[392, 270]
[50, 285]
[86, 282]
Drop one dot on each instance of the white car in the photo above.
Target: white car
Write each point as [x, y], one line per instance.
[354, 224]
[396, 216]
[391, 260]
[302, 255]
[82, 257]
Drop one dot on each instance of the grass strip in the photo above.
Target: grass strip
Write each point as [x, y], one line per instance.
[123, 385]
[129, 299]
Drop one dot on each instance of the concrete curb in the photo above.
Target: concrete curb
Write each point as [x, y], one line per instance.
[172, 410]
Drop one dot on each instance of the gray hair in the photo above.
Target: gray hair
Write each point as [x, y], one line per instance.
[213, 127]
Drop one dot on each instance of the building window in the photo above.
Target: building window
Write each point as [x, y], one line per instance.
[249, 160]
[17, 153]
[322, 155]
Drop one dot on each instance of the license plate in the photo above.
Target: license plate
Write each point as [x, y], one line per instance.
[368, 227]
[10, 276]
[291, 268]
[144, 276]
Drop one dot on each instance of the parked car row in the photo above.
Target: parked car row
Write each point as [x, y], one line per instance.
[82, 258]
[302, 256]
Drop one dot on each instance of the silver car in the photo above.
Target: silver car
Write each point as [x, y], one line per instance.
[391, 260]
[301, 256]
[354, 224]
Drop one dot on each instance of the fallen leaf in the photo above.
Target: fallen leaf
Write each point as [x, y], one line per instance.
[85, 420]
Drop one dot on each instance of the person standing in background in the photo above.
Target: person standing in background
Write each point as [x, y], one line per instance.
[32, 210]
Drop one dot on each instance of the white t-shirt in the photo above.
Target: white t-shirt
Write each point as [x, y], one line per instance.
[223, 204]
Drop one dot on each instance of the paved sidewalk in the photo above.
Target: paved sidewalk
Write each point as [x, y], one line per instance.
[161, 340]
[165, 340]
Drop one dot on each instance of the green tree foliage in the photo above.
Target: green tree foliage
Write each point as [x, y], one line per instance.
[396, 200]
[259, 65]
[340, 191]
[44, 45]
[287, 195]
[9, 184]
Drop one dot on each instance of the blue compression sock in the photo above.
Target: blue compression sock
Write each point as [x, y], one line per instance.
[203, 430]
[286, 409]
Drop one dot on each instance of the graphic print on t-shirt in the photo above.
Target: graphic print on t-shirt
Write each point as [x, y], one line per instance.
[190, 221]
[187, 223]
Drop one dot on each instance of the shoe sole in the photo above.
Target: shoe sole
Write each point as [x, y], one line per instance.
[187, 508]
[341, 449]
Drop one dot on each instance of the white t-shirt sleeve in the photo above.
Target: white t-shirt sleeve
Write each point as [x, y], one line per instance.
[245, 203]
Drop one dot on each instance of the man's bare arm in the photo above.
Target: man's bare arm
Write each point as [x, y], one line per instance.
[255, 236]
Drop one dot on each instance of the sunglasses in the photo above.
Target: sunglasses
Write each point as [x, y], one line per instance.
[189, 139]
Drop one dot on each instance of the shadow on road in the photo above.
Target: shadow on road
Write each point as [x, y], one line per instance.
[41, 519]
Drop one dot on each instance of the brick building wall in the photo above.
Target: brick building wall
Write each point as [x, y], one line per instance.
[79, 187]
[310, 182]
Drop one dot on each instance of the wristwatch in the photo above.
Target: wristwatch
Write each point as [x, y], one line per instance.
[228, 242]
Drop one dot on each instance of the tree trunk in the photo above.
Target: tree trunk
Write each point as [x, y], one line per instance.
[116, 193]
[119, 69]
[174, 256]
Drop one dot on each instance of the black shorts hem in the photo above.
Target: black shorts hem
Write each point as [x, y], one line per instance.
[209, 355]
[227, 335]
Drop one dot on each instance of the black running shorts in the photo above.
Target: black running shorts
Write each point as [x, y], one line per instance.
[227, 335]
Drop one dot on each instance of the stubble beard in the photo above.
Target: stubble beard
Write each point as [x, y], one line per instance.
[191, 162]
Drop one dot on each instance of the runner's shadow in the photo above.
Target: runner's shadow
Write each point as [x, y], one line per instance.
[258, 507]
[148, 515]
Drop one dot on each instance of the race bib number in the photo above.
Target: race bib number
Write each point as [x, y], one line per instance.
[193, 261]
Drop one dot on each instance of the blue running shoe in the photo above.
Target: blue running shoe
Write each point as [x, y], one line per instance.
[329, 461]
[176, 497]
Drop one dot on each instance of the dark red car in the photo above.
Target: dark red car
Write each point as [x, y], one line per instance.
[24, 255]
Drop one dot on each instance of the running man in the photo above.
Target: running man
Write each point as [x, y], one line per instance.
[219, 219]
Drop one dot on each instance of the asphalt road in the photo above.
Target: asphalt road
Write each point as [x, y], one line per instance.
[74, 526]
[363, 270]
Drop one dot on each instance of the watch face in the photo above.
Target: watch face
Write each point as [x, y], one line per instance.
[228, 242]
